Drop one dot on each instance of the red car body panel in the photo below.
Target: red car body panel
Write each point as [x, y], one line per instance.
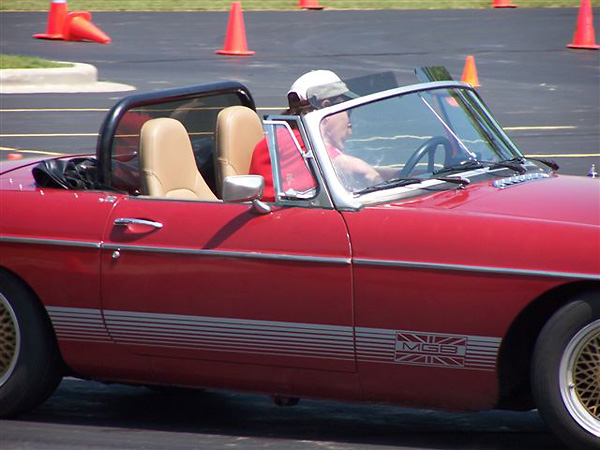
[406, 302]
[499, 232]
[360, 296]
[442, 238]
[548, 200]
[227, 278]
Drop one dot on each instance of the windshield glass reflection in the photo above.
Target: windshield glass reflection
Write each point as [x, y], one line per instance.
[412, 136]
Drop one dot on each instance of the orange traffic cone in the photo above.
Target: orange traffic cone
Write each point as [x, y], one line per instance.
[235, 39]
[309, 4]
[56, 20]
[78, 27]
[469, 74]
[502, 4]
[584, 36]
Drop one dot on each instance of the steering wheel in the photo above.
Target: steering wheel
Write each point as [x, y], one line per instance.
[429, 148]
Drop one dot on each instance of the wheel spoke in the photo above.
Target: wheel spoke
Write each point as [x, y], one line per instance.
[586, 375]
[8, 339]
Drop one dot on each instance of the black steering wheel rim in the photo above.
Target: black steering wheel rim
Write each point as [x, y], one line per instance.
[426, 147]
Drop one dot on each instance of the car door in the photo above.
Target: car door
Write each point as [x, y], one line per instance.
[214, 281]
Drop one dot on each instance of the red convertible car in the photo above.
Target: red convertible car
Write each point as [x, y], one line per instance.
[458, 275]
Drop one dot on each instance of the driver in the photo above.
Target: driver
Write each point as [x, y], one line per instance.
[325, 88]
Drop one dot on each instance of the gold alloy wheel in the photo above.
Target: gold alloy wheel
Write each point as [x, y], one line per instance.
[586, 376]
[9, 340]
[580, 377]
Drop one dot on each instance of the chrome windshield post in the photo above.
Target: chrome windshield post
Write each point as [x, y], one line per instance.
[292, 126]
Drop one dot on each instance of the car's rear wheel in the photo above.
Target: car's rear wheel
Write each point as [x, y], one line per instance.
[30, 365]
[566, 372]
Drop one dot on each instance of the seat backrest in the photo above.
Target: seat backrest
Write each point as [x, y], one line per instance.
[238, 131]
[168, 167]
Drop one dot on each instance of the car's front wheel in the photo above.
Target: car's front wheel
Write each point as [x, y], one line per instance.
[566, 372]
[30, 365]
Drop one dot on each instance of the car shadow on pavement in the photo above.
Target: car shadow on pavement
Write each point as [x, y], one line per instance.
[221, 413]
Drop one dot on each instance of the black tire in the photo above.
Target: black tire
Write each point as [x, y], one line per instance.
[30, 364]
[566, 373]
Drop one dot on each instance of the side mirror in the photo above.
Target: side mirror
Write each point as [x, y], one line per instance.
[245, 188]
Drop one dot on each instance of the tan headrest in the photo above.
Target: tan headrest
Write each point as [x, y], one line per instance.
[238, 131]
[167, 162]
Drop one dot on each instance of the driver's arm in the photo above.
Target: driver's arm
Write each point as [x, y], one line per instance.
[387, 172]
[357, 168]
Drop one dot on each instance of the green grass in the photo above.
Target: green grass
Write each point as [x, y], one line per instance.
[27, 62]
[250, 5]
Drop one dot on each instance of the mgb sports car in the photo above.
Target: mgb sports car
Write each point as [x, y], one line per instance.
[459, 276]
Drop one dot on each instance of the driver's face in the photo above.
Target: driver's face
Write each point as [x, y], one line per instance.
[336, 129]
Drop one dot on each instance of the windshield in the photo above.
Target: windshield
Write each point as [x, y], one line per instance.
[349, 88]
[416, 136]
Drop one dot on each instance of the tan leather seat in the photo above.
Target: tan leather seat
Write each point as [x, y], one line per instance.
[168, 167]
[238, 131]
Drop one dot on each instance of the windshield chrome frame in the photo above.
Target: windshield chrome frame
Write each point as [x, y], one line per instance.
[321, 199]
[345, 200]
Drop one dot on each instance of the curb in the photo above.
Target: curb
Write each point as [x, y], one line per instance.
[78, 78]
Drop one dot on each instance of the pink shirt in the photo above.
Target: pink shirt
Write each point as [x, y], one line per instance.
[294, 173]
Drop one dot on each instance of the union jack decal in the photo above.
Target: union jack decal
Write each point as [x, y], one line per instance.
[430, 349]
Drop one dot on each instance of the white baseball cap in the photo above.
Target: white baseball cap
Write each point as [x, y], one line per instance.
[321, 84]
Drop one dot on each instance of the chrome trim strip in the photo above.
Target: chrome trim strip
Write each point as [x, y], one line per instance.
[304, 258]
[468, 268]
[519, 179]
[57, 242]
[230, 254]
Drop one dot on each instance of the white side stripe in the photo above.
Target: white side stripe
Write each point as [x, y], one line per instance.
[78, 324]
[248, 336]
[291, 339]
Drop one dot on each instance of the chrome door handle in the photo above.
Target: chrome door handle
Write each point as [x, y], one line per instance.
[126, 221]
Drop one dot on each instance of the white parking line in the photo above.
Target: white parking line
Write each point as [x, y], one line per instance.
[55, 110]
[35, 152]
[557, 127]
[47, 135]
[566, 155]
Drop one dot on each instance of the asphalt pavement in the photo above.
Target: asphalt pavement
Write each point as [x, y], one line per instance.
[90, 415]
[546, 96]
